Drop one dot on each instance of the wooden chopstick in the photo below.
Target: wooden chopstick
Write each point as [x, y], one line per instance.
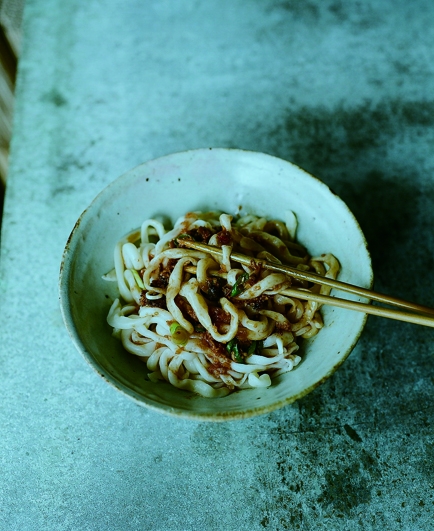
[389, 313]
[415, 318]
[363, 307]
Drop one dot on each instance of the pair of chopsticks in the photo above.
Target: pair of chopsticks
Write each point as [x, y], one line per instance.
[414, 313]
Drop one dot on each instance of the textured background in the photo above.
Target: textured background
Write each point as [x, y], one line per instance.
[343, 89]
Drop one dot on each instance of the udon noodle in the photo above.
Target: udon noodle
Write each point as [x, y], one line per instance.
[206, 324]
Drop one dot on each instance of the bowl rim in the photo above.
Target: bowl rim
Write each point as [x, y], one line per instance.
[65, 306]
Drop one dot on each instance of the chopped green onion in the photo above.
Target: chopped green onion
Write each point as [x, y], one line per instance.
[233, 349]
[255, 348]
[239, 285]
[199, 328]
[179, 335]
[230, 344]
[137, 278]
[252, 348]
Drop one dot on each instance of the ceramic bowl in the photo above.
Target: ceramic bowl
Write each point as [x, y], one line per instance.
[209, 179]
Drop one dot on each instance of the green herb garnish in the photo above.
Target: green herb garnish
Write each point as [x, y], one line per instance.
[252, 348]
[238, 287]
[179, 335]
[233, 349]
[137, 278]
[255, 348]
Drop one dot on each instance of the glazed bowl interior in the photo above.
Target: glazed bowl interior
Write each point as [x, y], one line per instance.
[232, 181]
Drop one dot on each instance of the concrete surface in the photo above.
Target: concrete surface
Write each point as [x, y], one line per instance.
[345, 90]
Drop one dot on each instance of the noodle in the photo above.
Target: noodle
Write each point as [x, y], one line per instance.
[206, 324]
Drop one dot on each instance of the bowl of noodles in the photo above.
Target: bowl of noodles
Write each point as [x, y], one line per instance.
[212, 333]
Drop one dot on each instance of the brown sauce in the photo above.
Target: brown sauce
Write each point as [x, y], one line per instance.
[216, 353]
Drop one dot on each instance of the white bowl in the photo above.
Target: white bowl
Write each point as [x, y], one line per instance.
[209, 179]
